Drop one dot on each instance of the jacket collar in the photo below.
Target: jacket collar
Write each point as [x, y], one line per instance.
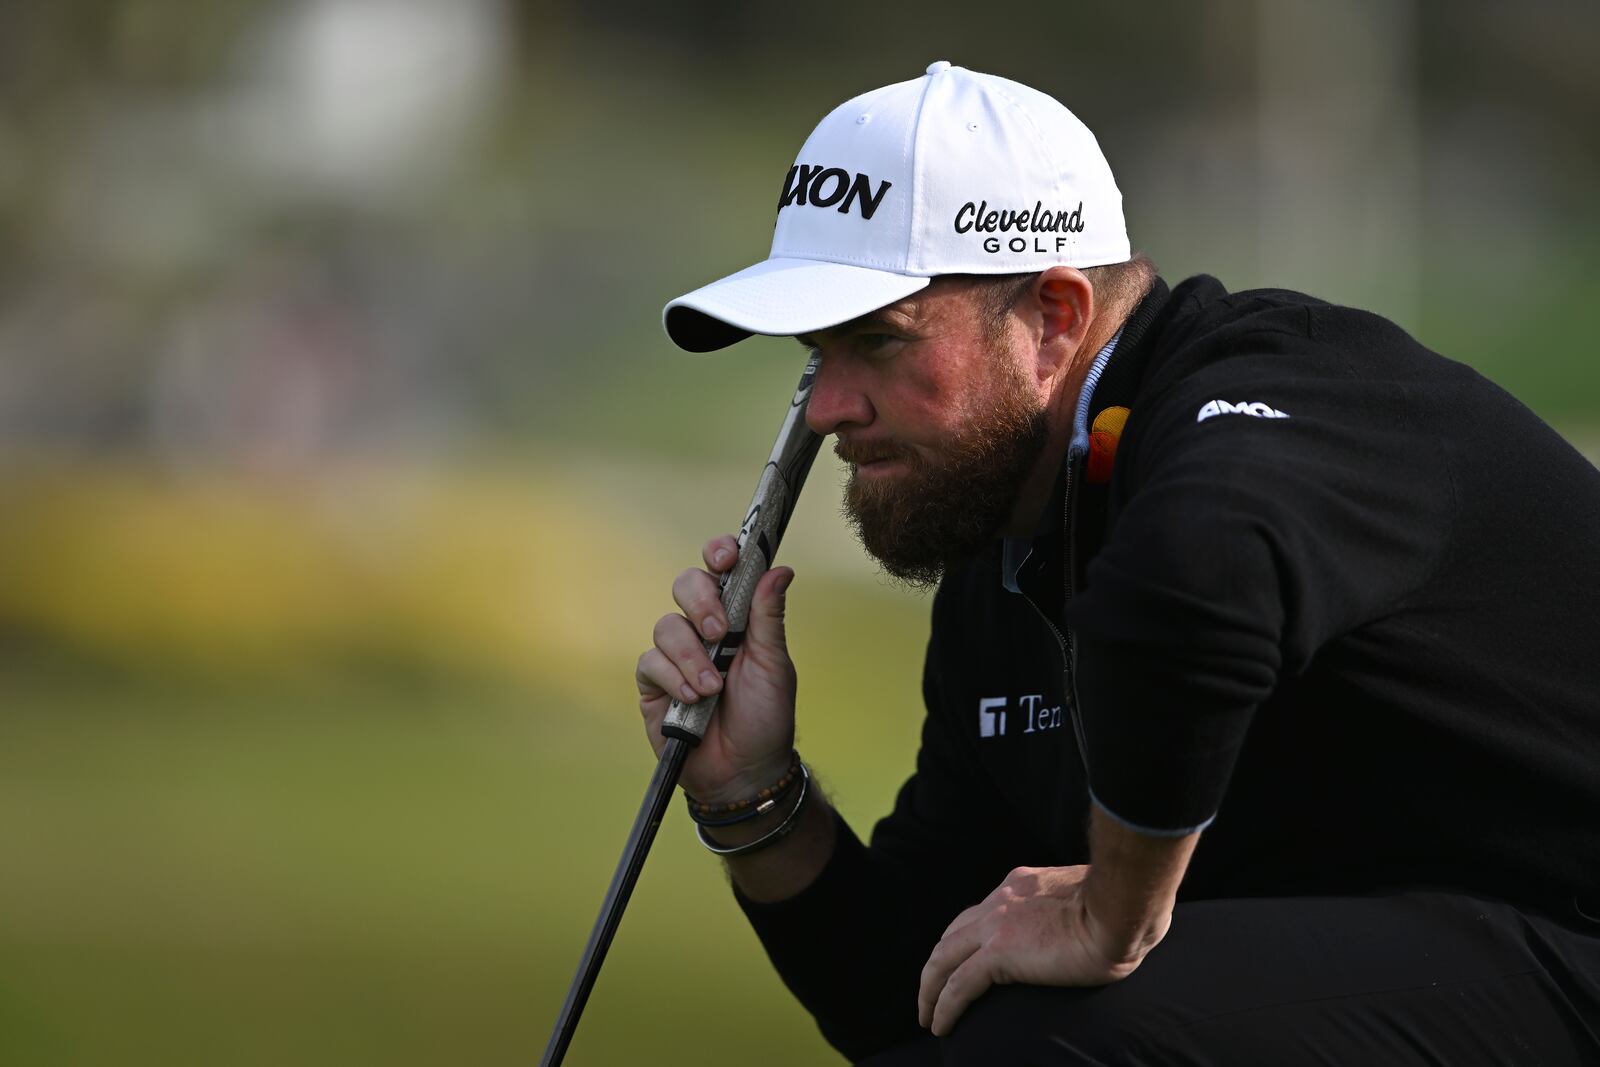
[1117, 384]
[1034, 567]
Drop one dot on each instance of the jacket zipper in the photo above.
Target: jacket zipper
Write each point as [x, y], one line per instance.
[1069, 648]
[1069, 642]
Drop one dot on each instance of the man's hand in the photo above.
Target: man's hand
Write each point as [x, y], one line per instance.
[747, 745]
[1034, 930]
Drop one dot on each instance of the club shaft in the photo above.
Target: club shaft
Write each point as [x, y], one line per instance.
[645, 825]
[684, 725]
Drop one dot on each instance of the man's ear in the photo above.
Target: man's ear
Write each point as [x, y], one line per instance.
[1066, 301]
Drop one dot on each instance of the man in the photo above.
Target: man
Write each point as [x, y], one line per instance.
[1262, 714]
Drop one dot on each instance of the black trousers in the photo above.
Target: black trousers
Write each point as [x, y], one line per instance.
[1405, 978]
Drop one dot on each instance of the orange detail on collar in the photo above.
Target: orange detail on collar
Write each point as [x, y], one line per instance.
[1103, 437]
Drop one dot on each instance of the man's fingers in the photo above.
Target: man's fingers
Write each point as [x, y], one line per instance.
[657, 678]
[948, 955]
[720, 553]
[675, 638]
[766, 612]
[697, 594]
[966, 983]
[964, 918]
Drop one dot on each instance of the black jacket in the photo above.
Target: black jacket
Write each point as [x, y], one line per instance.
[1339, 596]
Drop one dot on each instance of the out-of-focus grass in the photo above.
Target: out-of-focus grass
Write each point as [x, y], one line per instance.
[226, 842]
[335, 873]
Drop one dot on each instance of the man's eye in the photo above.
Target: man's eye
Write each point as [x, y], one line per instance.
[874, 341]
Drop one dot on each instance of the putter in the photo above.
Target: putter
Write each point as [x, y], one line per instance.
[685, 724]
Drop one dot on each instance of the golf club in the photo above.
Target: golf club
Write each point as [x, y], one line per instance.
[685, 724]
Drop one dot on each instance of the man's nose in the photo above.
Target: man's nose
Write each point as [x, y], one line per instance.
[837, 397]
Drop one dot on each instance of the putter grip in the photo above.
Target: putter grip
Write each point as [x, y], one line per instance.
[759, 535]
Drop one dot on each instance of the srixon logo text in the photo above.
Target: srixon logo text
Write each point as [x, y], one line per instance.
[819, 186]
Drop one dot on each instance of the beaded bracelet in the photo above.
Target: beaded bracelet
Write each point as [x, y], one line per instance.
[737, 811]
[771, 837]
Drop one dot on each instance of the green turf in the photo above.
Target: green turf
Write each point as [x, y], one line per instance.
[389, 867]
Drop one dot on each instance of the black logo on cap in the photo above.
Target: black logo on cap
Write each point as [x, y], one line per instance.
[818, 186]
[980, 218]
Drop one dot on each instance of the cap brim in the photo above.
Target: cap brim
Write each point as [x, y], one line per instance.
[781, 297]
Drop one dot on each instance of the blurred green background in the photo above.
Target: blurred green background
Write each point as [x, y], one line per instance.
[344, 468]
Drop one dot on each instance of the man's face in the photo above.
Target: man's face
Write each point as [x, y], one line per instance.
[940, 419]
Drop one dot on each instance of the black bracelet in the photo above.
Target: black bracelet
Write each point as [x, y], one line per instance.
[737, 811]
[773, 836]
[734, 820]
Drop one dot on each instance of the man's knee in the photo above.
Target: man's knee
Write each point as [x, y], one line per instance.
[1109, 1025]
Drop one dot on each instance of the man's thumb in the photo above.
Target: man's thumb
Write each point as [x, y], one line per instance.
[766, 609]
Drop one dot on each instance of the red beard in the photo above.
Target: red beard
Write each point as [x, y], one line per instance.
[940, 510]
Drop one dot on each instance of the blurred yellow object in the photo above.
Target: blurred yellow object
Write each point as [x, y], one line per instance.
[482, 570]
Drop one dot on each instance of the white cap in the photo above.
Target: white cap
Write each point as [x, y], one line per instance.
[952, 173]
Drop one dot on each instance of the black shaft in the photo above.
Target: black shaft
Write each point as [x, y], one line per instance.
[685, 724]
[645, 824]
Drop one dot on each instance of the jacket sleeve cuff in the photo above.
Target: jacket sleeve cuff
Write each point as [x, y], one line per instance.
[801, 917]
[1152, 831]
[1160, 745]
[828, 943]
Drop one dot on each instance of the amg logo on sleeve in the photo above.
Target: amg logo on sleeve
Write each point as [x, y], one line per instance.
[1222, 407]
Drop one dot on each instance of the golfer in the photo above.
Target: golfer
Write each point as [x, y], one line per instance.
[1263, 686]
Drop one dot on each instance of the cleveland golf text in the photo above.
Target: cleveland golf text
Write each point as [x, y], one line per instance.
[981, 219]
